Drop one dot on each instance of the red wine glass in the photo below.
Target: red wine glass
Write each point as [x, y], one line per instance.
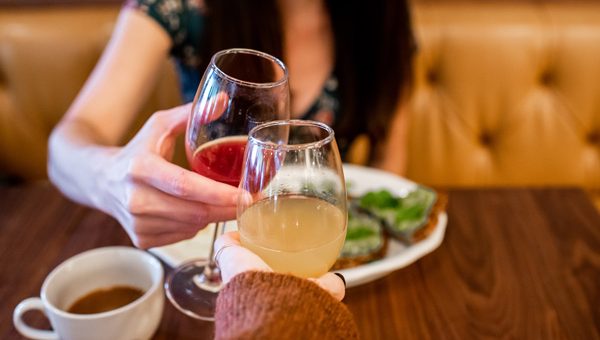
[240, 89]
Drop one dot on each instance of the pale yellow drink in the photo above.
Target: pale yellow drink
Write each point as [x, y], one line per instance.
[294, 234]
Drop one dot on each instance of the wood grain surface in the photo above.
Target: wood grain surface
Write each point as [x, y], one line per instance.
[515, 263]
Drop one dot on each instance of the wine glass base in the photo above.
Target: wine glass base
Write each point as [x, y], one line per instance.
[192, 294]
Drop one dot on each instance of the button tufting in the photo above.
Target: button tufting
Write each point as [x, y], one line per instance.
[547, 78]
[593, 137]
[485, 139]
[432, 76]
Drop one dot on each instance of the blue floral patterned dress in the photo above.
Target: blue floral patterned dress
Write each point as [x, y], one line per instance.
[183, 21]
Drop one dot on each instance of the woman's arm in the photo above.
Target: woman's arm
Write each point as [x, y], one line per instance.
[393, 154]
[122, 79]
[155, 201]
[106, 106]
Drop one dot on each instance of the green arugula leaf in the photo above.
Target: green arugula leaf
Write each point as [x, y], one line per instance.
[359, 232]
[381, 199]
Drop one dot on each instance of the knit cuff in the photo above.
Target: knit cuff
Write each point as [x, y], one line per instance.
[256, 305]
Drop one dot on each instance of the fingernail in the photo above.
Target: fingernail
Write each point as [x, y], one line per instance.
[341, 277]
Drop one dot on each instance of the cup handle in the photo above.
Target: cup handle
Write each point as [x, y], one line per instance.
[25, 330]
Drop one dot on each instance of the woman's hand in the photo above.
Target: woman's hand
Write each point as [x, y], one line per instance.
[158, 202]
[155, 201]
[234, 259]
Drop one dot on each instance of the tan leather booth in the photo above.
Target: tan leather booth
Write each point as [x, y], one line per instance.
[506, 93]
[46, 54]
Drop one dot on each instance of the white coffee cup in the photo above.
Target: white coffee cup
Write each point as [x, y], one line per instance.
[87, 272]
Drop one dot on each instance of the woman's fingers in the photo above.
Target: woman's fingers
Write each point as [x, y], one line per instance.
[234, 259]
[179, 182]
[159, 202]
[153, 218]
[148, 232]
[152, 225]
[160, 126]
[171, 122]
[214, 108]
[157, 240]
[333, 284]
[144, 200]
[227, 239]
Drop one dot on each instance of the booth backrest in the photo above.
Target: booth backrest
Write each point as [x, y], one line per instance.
[46, 54]
[505, 94]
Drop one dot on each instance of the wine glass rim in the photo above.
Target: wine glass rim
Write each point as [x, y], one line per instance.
[245, 82]
[292, 122]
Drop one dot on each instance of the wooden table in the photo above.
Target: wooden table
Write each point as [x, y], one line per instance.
[515, 263]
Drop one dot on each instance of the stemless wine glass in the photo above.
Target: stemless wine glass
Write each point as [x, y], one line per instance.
[292, 203]
[240, 89]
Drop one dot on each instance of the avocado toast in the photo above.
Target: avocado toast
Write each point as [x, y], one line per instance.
[376, 214]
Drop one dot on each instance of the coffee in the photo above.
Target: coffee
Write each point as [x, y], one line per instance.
[103, 300]
[81, 278]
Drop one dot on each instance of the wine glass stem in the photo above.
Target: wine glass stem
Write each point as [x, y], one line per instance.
[211, 271]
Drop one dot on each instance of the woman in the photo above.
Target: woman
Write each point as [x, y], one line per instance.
[349, 66]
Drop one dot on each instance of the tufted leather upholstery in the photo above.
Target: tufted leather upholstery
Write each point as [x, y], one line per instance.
[45, 57]
[506, 94]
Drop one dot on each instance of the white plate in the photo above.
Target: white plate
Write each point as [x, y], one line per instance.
[361, 179]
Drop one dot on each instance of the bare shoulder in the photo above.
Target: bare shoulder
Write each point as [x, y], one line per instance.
[198, 4]
[393, 153]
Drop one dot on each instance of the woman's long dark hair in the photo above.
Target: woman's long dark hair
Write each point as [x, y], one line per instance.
[374, 46]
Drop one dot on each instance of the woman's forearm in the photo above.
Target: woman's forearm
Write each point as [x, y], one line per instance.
[76, 158]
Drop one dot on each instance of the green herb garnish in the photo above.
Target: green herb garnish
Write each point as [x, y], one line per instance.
[359, 232]
[381, 199]
[401, 214]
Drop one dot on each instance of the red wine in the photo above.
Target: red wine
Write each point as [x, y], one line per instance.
[221, 159]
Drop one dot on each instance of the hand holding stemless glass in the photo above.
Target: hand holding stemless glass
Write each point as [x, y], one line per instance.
[234, 259]
[292, 204]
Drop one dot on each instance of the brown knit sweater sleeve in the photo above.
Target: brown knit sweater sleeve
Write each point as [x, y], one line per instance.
[261, 305]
